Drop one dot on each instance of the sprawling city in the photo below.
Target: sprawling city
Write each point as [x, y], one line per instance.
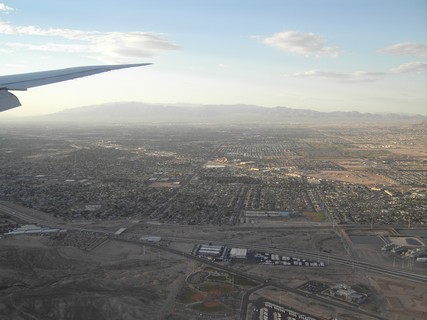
[213, 160]
[213, 221]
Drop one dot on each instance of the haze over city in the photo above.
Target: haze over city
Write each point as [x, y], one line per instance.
[366, 56]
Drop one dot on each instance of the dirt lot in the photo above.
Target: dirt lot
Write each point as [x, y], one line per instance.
[114, 281]
[402, 299]
[44, 277]
[418, 151]
[356, 176]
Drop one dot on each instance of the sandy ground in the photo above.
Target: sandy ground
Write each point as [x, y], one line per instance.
[43, 276]
[402, 299]
[419, 151]
[357, 177]
[114, 281]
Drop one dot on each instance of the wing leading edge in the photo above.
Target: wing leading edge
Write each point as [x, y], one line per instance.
[28, 80]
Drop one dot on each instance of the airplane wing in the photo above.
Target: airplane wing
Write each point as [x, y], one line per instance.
[34, 79]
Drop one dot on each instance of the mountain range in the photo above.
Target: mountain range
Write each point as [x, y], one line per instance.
[137, 112]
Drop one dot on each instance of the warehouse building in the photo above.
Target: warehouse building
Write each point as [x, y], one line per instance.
[211, 251]
[33, 229]
[238, 253]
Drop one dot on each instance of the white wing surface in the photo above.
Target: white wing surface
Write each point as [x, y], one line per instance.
[35, 79]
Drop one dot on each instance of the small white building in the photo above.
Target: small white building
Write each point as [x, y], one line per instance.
[151, 238]
[238, 253]
[120, 231]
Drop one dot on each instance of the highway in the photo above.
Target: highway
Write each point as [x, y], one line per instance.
[47, 223]
[273, 249]
[134, 238]
[315, 256]
[259, 279]
[323, 225]
[22, 216]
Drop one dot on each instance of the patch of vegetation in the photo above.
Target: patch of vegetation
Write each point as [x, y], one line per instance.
[362, 288]
[211, 309]
[223, 288]
[185, 296]
[241, 281]
[222, 277]
[210, 269]
[315, 216]
[198, 277]
[218, 278]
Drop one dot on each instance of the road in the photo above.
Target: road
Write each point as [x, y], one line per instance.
[324, 225]
[239, 205]
[316, 256]
[245, 301]
[133, 238]
[252, 277]
[283, 251]
[52, 224]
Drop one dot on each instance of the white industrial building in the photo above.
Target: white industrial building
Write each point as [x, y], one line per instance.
[151, 238]
[211, 251]
[238, 253]
[33, 229]
[120, 231]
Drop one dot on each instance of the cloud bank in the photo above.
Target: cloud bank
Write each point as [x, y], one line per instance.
[358, 76]
[364, 76]
[407, 48]
[109, 47]
[302, 43]
[412, 67]
[5, 9]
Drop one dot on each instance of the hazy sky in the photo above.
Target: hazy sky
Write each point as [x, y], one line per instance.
[361, 55]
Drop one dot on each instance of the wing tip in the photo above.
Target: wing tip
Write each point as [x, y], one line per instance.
[123, 66]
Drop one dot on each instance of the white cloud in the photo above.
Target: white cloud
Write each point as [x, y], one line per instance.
[407, 48]
[5, 8]
[48, 47]
[358, 76]
[15, 65]
[364, 76]
[307, 44]
[412, 67]
[110, 47]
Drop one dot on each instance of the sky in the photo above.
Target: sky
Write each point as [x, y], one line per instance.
[325, 55]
